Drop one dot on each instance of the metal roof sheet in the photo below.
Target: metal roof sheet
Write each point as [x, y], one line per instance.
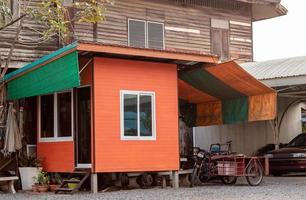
[280, 68]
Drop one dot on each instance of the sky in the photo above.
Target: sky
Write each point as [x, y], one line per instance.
[284, 36]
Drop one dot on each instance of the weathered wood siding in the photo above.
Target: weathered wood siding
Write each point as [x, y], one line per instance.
[27, 48]
[241, 44]
[187, 26]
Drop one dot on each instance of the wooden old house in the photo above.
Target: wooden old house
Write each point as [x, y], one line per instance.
[110, 102]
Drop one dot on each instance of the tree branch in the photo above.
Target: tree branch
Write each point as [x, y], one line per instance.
[12, 22]
[9, 58]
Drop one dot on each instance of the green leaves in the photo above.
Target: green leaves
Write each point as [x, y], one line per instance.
[90, 11]
[58, 18]
[52, 15]
[5, 12]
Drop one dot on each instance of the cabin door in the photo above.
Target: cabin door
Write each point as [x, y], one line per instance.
[83, 128]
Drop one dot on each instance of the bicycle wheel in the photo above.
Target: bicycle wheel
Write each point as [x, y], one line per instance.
[257, 172]
[229, 180]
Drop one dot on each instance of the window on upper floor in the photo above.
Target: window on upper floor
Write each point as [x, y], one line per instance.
[220, 38]
[146, 34]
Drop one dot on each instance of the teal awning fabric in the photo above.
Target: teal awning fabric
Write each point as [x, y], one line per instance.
[51, 73]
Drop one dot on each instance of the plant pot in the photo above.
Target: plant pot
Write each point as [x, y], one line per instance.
[72, 185]
[35, 188]
[53, 187]
[42, 188]
[26, 176]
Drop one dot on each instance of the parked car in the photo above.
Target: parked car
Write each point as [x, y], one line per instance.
[291, 158]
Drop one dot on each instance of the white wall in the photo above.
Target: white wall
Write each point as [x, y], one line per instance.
[248, 137]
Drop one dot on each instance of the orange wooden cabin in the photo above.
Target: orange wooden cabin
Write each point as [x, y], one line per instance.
[116, 109]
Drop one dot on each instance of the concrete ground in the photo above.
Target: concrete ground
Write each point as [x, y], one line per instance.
[272, 188]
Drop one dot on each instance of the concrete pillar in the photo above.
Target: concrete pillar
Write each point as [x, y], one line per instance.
[175, 179]
[94, 183]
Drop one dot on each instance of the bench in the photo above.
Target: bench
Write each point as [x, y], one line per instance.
[10, 182]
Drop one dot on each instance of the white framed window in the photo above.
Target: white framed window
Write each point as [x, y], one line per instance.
[146, 34]
[155, 35]
[55, 117]
[137, 33]
[137, 115]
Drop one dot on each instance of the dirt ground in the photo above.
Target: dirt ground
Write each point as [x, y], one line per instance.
[272, 188]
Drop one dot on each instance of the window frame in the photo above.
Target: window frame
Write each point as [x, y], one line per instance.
[220, 25]
[56, 138]
[146, 22]
[153, 107]
[147, 28]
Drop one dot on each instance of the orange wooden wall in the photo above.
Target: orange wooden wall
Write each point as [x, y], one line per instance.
[60, 156]
[114, 155]
[57, 156]
[86, 74]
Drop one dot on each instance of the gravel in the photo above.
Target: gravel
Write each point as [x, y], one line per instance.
[272, 188]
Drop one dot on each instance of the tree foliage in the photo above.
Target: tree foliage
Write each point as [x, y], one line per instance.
[5, 12]
[53, 19]
[57, 16]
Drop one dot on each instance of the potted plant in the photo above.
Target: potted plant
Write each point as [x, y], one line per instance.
[35, 184]
[73, 185]
[43, 181]
[28, 168]
[55, 182]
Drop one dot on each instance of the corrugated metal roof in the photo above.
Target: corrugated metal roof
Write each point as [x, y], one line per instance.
[280, 68]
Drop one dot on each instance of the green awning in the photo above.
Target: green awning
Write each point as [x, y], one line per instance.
[51, 73]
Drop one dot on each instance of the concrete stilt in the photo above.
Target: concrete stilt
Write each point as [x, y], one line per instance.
[175, 179]
[94, 183]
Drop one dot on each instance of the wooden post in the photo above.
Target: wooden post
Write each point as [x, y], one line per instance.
[267, 167]
[94, 183]
[164, 182]
[175, 179]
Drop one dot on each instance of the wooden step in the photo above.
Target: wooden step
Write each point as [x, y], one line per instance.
[71, 181]
[79, 172]
[63, 188]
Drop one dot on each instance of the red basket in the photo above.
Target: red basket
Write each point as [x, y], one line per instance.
[230, 168]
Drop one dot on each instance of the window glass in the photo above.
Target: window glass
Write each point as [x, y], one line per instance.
[145, 115]
[138, 118]
[145, 34]
[130, 115]
[155, 35]
[137, 33]
[298, 141]
[64, 114]
[47, 116]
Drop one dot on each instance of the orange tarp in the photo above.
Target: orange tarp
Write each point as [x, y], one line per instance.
[209, 113]
[239, 79]
[226, 93]
[262, 107]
